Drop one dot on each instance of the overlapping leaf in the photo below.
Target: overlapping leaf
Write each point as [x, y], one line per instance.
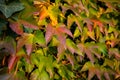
[26, 40]
[11, 8]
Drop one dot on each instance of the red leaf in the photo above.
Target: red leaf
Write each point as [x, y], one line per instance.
[28, 25]
[27, 40]
[60, 49]
[28, 48]
[64, 30]
[99, 23]
[89, 24]
[16, 28]
[49, 33]
[91, 73]
[107, 76]
[61, 38]
[89, 55]
[70, 58]
[12, 61]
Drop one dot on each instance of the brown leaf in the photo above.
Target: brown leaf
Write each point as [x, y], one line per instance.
[49, 33]
[15, 26]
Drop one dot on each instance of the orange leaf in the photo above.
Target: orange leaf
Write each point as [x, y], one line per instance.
[99, 23]
[43, 13]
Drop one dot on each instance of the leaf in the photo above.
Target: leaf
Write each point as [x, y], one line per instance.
[44, 76]
[43, 13]
[87, 66]
[64, 30]
[16, 28]
[11, 8]
[77, 32]
[60, 49]
[8, 46]
[115, 52]
[99, 23]
[107, 76]
[89, 55]
[89, 24]
[21, 52]
[28, 24]
[91, 73]
[91, 34]
[4, 76]
[110, 1]
[102, 48]
[39, 38]
[27, 40]
[109, 63]
[70, 58]
[34, 75]
[12, 61]
[3, 24]
[53, 12]
[61, 37]
[72, 47]
[49, 33]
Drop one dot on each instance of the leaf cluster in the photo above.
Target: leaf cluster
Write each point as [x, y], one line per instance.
[60, 39]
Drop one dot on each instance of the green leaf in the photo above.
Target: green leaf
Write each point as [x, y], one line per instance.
[73, 47]
[39, 38]
[2, 24]
[44, 76]
[87, 66]
[102, 48]
[20, 52]
[77, 32]
[11, 8]
[34, 75]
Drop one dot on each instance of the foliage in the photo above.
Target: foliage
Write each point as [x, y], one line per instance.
[60, 39]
